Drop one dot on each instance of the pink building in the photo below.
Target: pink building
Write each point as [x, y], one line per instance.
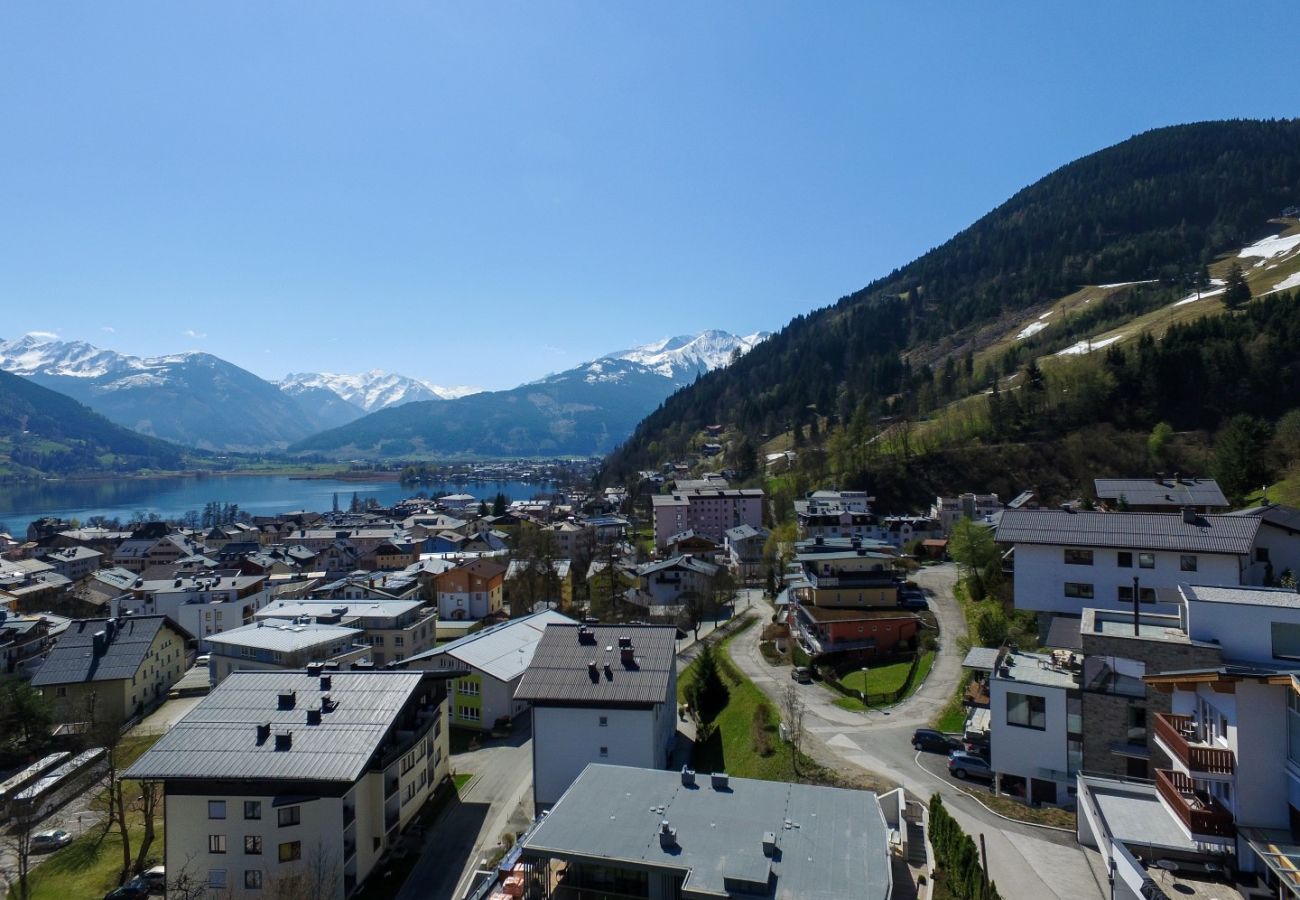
[706, 511]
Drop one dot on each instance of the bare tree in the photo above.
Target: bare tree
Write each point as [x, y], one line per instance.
[317, 876]
[792, 713]
[18, 841]
[147, 802]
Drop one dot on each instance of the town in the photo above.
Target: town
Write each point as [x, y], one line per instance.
[435, 699]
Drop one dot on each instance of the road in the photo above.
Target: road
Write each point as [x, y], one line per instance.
[1026, 862]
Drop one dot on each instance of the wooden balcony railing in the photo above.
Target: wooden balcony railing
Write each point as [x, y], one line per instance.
[1202, 815]
[1174, 731]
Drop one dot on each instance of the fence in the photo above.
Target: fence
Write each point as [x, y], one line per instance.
[888, 698]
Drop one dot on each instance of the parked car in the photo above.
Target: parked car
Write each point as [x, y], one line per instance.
[130, 891]
[965, 765]
[153, 880]
[202, 659]
[909, 598]
[47, 841]
[801, 674]
[932, 741]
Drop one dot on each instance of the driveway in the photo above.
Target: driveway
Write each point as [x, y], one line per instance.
[1026, 862]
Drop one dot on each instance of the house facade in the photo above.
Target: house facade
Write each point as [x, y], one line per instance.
[472, 590]
[272, 645]
[706, 511]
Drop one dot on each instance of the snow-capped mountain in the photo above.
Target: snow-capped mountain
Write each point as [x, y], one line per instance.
[372, 390]
[686, 356]
[190, 398]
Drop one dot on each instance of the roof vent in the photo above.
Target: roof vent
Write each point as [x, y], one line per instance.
[326, 682]
[284, 740]
[593, 670]
[263, 732]
[688, 777]
[313, 716]
[769, 843]
[625, 641]
[667, 835]
[287, 699]
[629, 657]
[721, 782]
[327, 703]
[314, 669]
[609, 673]
[586, 635]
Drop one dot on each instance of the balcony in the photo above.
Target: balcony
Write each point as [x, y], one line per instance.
[1177, 735]
[1201, 814]
[349, 815]
[390, 787]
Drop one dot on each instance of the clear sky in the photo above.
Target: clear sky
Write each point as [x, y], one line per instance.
[485, 192]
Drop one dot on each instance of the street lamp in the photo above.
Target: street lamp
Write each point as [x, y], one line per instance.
[864, 685]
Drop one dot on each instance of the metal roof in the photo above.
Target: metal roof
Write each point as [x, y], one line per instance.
[560, 671]
[831, 843]
[73, 659]
[1139, 531]
[1286, 517]
[284, 636]
[1244, 596]
[982, 658]
[218, 739]
[1163, 492]
[502, 651]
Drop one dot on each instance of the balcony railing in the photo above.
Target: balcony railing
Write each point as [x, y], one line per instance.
[1178, 733]
[1201, 814]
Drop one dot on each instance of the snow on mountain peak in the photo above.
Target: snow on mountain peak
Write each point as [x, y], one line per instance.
[372, 390]
[689, 355]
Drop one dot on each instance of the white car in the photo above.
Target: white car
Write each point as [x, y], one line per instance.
[47, 841]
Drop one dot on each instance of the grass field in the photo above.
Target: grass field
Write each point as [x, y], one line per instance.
[884, 680]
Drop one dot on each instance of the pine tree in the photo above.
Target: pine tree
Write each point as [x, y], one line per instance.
[1236, 292]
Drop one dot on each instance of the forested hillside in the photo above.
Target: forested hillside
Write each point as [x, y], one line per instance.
[1158, 208]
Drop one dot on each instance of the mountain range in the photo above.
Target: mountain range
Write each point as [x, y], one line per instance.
[202, 401]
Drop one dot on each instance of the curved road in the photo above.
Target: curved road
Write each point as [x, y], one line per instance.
[1026, 862]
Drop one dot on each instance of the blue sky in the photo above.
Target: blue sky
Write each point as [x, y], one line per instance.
[482, 193]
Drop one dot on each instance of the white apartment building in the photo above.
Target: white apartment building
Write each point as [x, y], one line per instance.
[393, 629]
[1036, 715]
[297, 778]
[599, 694]
[204, 605]
[976, 507]
[273, 645]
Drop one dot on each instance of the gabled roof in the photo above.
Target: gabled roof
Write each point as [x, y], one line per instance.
[218, 739]
[560, 673]
[1163, 492]
[689, 563]
[502, 651]
[73, 659]
[1141, 531]
[1275, 514]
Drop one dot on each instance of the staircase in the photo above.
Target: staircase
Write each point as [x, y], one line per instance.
[915, 843]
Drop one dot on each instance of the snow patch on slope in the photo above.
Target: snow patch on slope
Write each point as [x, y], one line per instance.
[372, 390]
[1087, 346]
[1270, 247]
[688, 355]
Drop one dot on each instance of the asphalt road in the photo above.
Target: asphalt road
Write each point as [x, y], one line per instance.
[1026, 862]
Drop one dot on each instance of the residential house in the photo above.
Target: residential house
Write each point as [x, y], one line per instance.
[975, 507]
[281, 646]
[33, 583]
[531, 581]
[204, 605]
[1066, 560]
[108, 670]
[570, 539]
[74, 563]
[277, 778]
[1161, 494]
[599, 693]
[847, 604]
[1277, 543]
[472, 590]
[23, 639]
[706, 511]
[670, 583]
[139, 553]
[899, 531]
[393, 629]
[494, 661]
[709, 836]
[744, 552]
[690, 543]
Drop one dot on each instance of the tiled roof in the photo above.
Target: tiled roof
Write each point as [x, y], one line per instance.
[1144, 531]
[560, 671]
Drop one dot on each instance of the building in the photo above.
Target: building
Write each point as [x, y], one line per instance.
[22, 641]
[139, 553]
[1160, 494]
[826, 514]
[599, 693]
[494, 661]
[1036, 715]
[74, 563]
[846, 602]
[472, 590]
[304, 778]
[1277, 544]
[707, 836]
[271, 645]
[976, 507]
[706, 511]
[666, 583]
[392, 629]
[204, 604]
[529, 581]
[109, 670]
[1065, 560]
[744, 552]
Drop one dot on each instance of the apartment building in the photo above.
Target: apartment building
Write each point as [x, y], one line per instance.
[472, 590]
[975, 507]
[1160, 494]
[706, 511]
[393, 629]
[273, 645]
[204, 604]
[302, 779]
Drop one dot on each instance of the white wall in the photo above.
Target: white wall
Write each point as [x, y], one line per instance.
[1041, 575]
[1243, 631]
[567, 739]
[1262, 783]
[1023, 751]
[1283, 553]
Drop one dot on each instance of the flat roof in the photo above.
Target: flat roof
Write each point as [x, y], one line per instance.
[1242, 596]
[1037, 668]
[271, 635]
[1134, 814]
[831, 843]
[1119, 623]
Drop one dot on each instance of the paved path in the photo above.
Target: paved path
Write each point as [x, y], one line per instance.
[1027, 863]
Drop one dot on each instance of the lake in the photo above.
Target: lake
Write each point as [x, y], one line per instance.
[259, 495]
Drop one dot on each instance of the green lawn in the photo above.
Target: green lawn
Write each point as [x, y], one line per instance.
[88, 867]
[883, 680]
[461, 779]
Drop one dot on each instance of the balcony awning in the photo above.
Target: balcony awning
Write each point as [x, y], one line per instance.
[1276, 851]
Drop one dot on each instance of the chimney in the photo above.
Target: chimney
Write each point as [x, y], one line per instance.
[314, 669]
[593, 671]
[1160, 478]
[720, 781]
[110, 630]
[1190, 516]
[313, 716]
[667, 835]
[629, 657]
[327, 703]
[688, 777]
[263, 733]
[609, 673]
[769, 844]
[326, 682]
[287, 699]
[99, 642]
[284, 740]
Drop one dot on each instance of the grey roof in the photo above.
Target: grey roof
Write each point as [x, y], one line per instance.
[218, 738]
[1244, 596]
[1165, 492]
[73, 659]
[831, 842]
[678, 562]
[1063, 632]
[744, 532]
[1287, 517]
[1139, 531]
[559, 672]
[982, 658]
[1133, 813]
[502, 651]
[283, 636]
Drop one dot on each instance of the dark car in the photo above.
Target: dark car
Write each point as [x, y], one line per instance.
[911, 599]
[932, 741]
[965, 765]
[128, 892]
[801, 674]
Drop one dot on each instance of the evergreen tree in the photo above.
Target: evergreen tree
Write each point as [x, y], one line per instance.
[706, 693]
[1236, 292]
[1241, 462]
[499, 505]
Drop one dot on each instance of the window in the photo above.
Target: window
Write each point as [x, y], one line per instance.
[398, 640]
[1261, 554]
[1137, 726]
[216, 809]
[252, 879]
[1286, 640]
[253, 845]
[252, 809]
[216, 843]
[1078, 590]
[1078, 557]
[1146, 595]
[289, 815]
[60, 691]
[216, 878]
[1124, 559]
[470, 713]
[291, 851]
[604, 751]
[1027, 711]
[467, 687]
[604, 720]
[1146, 560]
[1187, 563]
